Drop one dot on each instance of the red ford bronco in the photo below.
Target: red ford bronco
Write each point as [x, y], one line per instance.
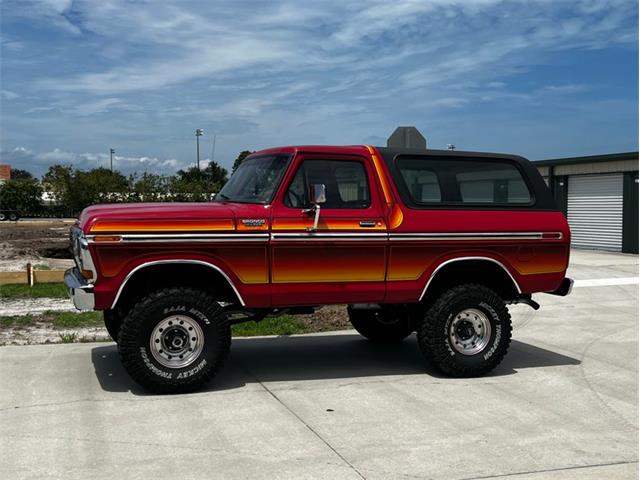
[427, 241]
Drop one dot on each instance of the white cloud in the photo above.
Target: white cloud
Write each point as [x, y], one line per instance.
[39, 162]
[424, 44]
[142, 75]
[8, 95]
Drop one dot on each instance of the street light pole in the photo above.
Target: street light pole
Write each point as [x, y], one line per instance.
[199, 133]
[111, 152]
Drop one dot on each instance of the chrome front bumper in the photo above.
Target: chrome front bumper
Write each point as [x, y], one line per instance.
[79, 290]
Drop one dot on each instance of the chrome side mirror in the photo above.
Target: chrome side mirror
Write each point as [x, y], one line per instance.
[318, 196]
[318, 193]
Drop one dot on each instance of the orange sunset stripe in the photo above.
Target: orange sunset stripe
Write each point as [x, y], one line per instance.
[325, 224]
[122, 226]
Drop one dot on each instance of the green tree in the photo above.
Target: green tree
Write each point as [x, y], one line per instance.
[76, 189]
[150, 188]
[17, 174]
[185, 190]
[23, 195]
[100, 185]
[57, 182]
[241, 156]
[193, 185]
[216, 174]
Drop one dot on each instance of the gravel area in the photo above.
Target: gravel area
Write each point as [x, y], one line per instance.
[33, 306]
[43, 332]
[20, 264]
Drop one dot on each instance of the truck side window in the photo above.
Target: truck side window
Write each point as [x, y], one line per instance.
[423, 184]
[345, 181]
[463, 181]
[491, 183]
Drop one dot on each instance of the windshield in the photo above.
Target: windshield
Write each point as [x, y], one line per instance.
[255, 180]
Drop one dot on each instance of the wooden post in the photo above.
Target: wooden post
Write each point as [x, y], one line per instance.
[30, 274]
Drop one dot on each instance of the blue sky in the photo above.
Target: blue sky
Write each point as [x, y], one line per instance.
[539, 78]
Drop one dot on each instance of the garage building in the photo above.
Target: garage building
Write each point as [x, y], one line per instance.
[599, 195]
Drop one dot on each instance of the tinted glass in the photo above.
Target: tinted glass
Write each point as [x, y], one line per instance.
[345, 181]
[491, 182]
[255, 180]
[422, 184]
[460, 181]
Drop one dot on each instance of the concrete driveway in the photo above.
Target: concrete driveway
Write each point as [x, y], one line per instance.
[563, 404]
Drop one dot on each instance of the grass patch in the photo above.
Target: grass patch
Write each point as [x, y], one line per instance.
[69, 321]
[39, 290]
[61, 320]
[17, 321]
[41, 266]
[68, 337]
[283, 325]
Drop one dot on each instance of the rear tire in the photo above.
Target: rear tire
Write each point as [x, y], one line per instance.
[466, 332]
[14, 217]
[3, 216]
[382, 326]
[174, 340]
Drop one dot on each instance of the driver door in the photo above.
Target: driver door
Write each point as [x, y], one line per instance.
[344, 259]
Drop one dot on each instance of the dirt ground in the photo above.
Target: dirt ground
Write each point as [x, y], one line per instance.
[39, 242]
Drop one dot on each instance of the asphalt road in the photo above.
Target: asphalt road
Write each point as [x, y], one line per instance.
[563, 404]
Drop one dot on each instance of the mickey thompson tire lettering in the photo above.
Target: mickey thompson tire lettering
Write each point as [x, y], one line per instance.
[135, 340]
[434, 331]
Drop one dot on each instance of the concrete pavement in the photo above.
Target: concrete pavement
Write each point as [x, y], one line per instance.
[563, 404]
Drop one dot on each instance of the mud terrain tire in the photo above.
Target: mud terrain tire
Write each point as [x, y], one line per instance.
[466, 332]
[167, 325]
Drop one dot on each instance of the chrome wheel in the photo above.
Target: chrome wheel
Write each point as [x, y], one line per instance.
[176, 341]
[470, 331]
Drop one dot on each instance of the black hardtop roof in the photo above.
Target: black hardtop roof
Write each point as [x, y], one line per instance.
[543, 198]
[392, 152]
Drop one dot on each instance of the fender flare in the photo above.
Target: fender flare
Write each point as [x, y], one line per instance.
[175, 261]
[462, 259]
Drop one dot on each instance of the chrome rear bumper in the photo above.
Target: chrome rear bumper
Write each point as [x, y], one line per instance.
[79, 290]
[564, 289]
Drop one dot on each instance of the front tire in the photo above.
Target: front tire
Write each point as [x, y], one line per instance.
[174, 340]
[384, 325]
[466, 332]
[112, 323]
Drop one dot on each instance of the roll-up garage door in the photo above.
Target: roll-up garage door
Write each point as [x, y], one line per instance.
[594, 211]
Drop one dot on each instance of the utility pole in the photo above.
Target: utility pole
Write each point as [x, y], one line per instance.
[199, 133]
[213, 148]
[111, 152]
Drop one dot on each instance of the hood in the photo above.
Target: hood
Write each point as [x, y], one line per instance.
[156, 217]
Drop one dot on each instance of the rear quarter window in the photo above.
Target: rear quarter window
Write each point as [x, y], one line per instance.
[465, 182]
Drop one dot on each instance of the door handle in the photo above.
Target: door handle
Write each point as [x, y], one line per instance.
[367, 223]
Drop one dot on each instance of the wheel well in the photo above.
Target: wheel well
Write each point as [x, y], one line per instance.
[155, 277]
[483, 272]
